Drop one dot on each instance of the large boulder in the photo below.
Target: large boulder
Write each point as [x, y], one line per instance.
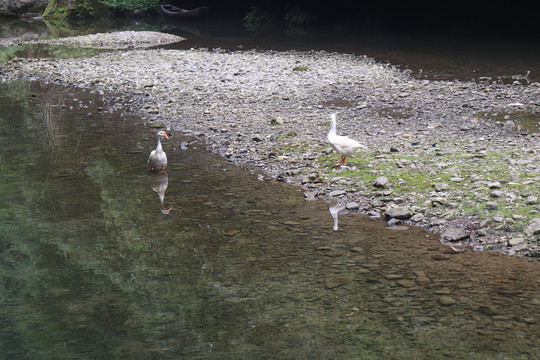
[20, 7]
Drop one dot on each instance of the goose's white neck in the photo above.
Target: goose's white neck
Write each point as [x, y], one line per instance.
[158, 147]
[333, 120]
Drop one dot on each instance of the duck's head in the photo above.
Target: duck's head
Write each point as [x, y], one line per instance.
[162, 133]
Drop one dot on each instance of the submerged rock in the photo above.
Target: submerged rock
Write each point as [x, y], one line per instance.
[446, 300]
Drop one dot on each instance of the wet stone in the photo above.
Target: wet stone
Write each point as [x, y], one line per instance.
[406, 283]
[446, 300]
[487, 310]
[440, 257]
[421, 277]
[453, 234]
[393, 276]
[370, 265]
[291, 222]
[332, 284]
[443, 291]
[401, 213]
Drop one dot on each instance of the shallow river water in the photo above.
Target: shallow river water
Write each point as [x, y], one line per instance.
[227, 266]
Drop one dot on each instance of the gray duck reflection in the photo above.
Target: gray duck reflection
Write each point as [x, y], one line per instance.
[334, 211]
[159, 182]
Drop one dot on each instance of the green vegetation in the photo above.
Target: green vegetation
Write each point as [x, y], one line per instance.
[300, 68]
[91, 9]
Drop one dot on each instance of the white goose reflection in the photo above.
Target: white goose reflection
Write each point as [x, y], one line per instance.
[334, 210]
[159, 183]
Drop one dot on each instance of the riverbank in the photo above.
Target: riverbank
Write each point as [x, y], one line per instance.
[449, 156]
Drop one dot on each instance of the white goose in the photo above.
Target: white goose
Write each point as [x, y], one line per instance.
[344, 145]
[157, 161]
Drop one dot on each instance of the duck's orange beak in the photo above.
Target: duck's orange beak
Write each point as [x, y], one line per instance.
[166, 137]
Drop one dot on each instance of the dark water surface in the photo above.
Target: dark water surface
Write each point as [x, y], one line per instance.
[92, 267]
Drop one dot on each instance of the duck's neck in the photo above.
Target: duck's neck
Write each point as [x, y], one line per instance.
[158, 147]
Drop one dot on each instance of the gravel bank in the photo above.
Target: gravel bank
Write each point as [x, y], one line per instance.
[116, 40]
[449, 156]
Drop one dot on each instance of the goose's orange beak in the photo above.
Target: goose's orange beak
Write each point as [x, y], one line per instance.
[165, 135]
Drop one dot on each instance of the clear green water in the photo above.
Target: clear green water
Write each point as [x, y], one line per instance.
[91, 268]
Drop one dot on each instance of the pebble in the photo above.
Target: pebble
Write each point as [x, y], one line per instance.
[441, 186]
[491, 205]
[337, 193]
[494, 185]
[401, 213]
[381, 182]
[352, 205]
[532, 200]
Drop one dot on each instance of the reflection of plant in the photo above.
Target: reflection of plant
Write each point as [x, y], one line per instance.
[123, 5]
[298, 17]
[55, 11]
[255, 19]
